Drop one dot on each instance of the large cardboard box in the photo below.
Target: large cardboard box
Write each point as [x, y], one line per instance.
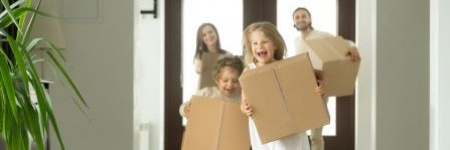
[338, 70]
[283, 98]
[215, 125]
[209, 61]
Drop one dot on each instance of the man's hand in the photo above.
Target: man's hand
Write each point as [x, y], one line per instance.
[353, 54]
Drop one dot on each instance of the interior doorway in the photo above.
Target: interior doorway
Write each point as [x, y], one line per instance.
[253, 10]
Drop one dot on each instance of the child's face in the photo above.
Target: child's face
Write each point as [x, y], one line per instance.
[228, 81]
[263, 48]
[209, 36]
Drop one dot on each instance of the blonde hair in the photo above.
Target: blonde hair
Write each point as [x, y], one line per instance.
[271, 32]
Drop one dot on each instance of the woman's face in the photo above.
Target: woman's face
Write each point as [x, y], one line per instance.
[209, 36]
[263, 48]
[228, 81]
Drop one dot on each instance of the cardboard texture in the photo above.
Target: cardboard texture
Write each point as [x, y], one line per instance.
[215, 125]
[338, 70]
[209, 61]
[283, 98]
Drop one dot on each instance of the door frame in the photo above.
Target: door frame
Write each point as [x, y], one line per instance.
[254, 10]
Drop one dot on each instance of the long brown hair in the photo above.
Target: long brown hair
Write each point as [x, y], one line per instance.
[271, 32]
[201, 46]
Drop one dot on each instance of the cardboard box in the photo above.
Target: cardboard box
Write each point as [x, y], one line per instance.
[283, 98]
[215, 125]
[338, 70]
[209, 61]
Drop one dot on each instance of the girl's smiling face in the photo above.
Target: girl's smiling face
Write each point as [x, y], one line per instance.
[228, 81]
[263, 48]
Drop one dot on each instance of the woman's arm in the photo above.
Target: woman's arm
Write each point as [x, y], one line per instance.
[198, 64]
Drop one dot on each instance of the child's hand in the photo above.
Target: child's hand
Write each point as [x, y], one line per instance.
[319, 89]
[186, 109]
[354, 54]
[246, 108]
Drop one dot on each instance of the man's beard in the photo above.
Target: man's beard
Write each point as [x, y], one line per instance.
[304, 28]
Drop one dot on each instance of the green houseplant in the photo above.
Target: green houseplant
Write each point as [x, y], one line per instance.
[21, 121]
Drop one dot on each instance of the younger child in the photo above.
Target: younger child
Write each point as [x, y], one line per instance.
[264, 45]
[226, 74]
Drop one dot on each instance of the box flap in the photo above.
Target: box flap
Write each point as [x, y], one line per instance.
[234, 134]
[215, 124]
[203, 124]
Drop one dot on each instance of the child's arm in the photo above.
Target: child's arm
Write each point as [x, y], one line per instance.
[184, 109]
[245, 107]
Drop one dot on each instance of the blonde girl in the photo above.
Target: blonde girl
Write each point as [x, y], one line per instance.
[264, 45]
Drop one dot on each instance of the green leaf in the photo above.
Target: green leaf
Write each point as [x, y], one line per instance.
[7, 82]
[20, 119]
[67, 77]
[49, 44]
[8, 10]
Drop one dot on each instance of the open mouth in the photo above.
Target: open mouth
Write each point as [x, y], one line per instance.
[229, 90]
[261, 53]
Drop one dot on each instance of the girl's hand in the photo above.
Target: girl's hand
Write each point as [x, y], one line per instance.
[353, 54]
[186, 109]
[246, 108]
[319, 89]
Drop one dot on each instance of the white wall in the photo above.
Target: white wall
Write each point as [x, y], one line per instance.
[149, 77]
[439, 73]
[100, 59]
[393, 98]
[366, 84]
[402, 107]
